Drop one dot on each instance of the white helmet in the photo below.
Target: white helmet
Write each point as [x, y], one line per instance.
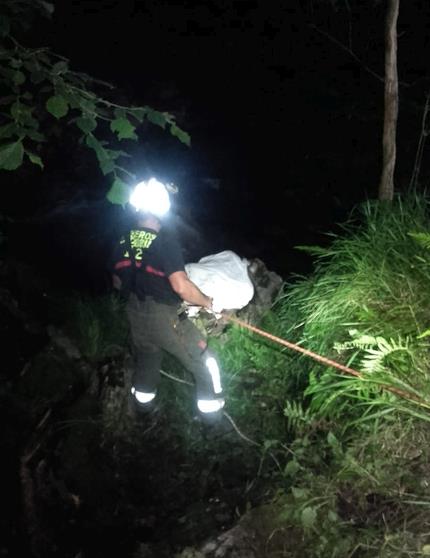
[151, 197]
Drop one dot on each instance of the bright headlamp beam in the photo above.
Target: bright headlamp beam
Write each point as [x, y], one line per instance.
[150, 197]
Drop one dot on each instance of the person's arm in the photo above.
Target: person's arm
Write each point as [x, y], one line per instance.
[117, 256]
[188, 291]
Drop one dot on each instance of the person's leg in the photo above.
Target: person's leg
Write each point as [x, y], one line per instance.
[183, 340]
[147, 356]
[147, 369]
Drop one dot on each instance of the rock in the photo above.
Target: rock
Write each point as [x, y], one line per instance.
[190, 553]
[267, 285]
[259, 532]
[238, 542]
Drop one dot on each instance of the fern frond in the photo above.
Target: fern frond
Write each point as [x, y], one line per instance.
[375, 358]
[362, 342]
[297, 416]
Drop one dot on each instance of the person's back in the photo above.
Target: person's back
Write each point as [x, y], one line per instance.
[149, 259]
[151, 256]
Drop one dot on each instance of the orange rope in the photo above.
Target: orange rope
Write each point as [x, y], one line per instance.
[319, 358]
[295, 347]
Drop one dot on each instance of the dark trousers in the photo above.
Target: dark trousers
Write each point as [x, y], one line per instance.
[155, 328]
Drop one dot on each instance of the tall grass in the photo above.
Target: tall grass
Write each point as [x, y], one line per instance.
[375, 276]
[357, 448]
[367, 304]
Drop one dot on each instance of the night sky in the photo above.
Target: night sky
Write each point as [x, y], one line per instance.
[285, 124]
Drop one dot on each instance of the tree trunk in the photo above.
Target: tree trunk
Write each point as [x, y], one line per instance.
[391, 103]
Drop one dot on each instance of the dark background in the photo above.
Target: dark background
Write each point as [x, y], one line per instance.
[286, 125]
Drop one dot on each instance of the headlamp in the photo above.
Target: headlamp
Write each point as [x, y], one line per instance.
[150, 197]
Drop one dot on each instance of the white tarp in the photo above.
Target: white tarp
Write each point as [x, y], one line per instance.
[224, 277]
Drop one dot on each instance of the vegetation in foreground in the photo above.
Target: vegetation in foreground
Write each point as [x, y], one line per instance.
[344, 458]
[357, 479]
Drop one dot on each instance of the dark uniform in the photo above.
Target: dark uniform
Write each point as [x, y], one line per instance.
[153, 309]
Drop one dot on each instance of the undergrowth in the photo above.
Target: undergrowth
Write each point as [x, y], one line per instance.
[356, 447]
[349, 454]
[98, 326]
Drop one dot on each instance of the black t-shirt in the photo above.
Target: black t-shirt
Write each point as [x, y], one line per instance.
[156, 255]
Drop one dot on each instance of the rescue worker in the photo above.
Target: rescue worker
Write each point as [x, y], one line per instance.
[149, 260]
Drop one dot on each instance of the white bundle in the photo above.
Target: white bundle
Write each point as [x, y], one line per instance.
[224, 277]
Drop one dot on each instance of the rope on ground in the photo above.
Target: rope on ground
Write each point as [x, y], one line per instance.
[236, 428]
[240, 433]
[176, 379]
[249, 440]
[229, 418]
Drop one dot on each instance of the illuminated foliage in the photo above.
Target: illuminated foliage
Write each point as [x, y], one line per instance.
[39, 89]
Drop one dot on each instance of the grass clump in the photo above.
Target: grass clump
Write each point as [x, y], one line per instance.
[98, 326]
[367, 305]
[356, 449]
[374, 277]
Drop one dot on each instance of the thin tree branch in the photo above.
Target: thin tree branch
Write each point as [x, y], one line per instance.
[348, 7]
[348, 50]
[421, 143]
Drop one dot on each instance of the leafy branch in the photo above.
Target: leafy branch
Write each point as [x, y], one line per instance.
[37, 86]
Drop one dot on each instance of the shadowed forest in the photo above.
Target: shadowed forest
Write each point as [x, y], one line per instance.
[290, 142]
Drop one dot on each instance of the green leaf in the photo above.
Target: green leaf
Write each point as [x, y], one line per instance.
[88, 106]
[18, 78]
[35, 159]
[291, 468]
[8, 130]
[182, 136]
[74, 101]
[107, 165]
[60, 67]
[124, 128]
[106, 157]
[86, 124]
[120, 113]
[138, 113]
[308, 517]
[299, 493]
[29, 121]
[93, 142]
[119, 192]
[269, 444]
[15, 110]
[332, 440]
[425, 333]
[332, 516]
[157, 118]
[57, 106]
[11, 155]
[45, 59]
[425, 550]
[15, 63]
[22, 114]
[34, 135]
[313, 250]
